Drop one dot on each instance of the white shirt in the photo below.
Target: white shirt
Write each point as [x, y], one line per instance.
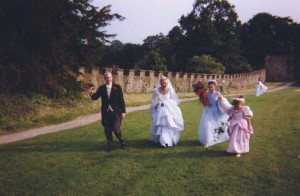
[108, 89]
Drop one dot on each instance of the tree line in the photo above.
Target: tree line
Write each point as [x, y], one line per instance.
[43, 43]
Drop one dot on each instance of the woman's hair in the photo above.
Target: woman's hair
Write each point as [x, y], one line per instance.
[163, 78]
[212, 82]
[237, 100]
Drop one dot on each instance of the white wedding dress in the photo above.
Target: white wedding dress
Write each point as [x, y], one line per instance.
[167, 121]
[260, 89]
[213, 118]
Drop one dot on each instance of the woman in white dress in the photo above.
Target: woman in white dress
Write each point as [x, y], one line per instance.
[213, 124]
[167, 121]
[260, 88]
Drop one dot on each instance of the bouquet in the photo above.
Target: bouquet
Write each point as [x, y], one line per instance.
[200, 90]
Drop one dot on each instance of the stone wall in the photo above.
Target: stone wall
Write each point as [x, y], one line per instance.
[133, 81]
[277, 69]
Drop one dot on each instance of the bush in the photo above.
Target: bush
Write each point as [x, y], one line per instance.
[205, 64]
[24, 111]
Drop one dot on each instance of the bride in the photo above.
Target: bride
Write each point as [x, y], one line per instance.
[167, 121]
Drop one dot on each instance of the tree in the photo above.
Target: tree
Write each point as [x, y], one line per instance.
[177, 40]
[153, 61]
[205, 64]
[117, 44]
[162, 45]
[265, 35]
[42, 43]
[131, 54]
[210, 28]
[125, 56]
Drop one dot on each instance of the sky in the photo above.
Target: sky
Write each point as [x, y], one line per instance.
[145, 18]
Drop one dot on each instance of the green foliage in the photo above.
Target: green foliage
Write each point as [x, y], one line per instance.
[265, 35]
[211, 28]
[154, 54]
[74, 162]
[42, 43]
[162, 45]
[153, 61]
[20, 112]
[205, 64]
[121, 55]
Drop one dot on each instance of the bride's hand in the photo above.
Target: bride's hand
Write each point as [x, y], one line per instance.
[156, 105]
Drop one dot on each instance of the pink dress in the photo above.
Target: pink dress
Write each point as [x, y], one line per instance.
[238, 130]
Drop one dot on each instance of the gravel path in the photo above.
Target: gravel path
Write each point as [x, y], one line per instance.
[81, 121]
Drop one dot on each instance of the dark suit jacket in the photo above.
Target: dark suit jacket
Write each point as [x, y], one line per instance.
[116, 100]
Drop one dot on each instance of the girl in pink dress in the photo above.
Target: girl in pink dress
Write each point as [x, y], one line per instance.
[240, 127]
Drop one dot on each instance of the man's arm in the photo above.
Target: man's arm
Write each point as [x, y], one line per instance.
[122, 102]
[94, 94]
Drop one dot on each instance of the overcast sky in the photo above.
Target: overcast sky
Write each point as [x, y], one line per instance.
[151, 17]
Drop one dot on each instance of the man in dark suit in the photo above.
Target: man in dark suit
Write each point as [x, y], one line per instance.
[112, 109]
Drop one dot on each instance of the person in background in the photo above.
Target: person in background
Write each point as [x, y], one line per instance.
[112, 109]
[260, 88]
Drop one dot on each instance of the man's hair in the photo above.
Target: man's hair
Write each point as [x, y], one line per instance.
[107, 73]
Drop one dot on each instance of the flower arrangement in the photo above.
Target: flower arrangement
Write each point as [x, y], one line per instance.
[200, 90]
[224, 127]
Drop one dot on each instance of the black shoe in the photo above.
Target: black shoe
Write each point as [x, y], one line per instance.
[109, 149]
[123, 146]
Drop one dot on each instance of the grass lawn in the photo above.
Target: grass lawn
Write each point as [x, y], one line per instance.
[74, 162]
[20, 113]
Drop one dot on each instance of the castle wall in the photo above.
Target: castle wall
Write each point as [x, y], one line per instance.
[133, 81]
[277, 69]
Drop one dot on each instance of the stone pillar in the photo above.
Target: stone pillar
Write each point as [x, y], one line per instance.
[199, 78]
[152, 81]
[176, 81]
[160, 74]
[95, 77]
[191, 82]
[185, 76]
[130, 81]
[95, 71]
[169, 75]
[82, 70]
[205, 78]
[143, 81]
[119, 77]
[142, 73]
